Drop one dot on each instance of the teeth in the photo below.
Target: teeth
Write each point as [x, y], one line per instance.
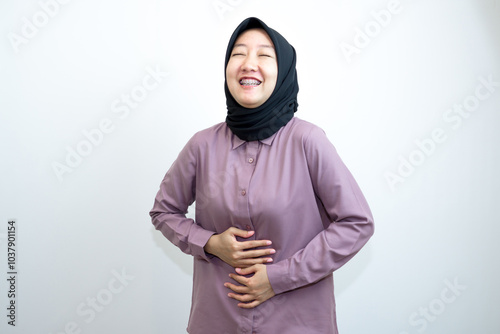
[249, 82]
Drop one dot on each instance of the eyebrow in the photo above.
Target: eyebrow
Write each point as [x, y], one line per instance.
[260, 45]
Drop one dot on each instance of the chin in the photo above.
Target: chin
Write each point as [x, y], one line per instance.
[250, 104]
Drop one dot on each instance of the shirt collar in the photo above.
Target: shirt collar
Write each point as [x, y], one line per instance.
[237, 142]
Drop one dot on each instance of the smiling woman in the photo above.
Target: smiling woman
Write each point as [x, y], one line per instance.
[277, 210]
[252, 69]
[268, 116]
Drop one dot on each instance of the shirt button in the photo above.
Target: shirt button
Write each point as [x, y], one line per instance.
[243, 192]
[248, 227]
[250, 160]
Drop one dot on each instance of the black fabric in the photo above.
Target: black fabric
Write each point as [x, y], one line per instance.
[262, 122]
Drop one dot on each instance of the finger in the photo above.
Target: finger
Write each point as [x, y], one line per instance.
[251, 262]
[242, 298]
[245, 263]
[255, 243]
[241, 233]
[240, 279]
[246, 271]
[252, 304]
[241, 289]
[250, 254]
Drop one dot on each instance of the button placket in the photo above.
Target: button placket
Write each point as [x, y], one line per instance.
[248, 158]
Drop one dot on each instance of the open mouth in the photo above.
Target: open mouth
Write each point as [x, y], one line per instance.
[250, 82]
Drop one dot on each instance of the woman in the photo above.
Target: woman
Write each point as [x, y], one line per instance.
[276, 209]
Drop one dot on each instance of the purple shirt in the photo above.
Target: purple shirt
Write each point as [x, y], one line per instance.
[291, 188]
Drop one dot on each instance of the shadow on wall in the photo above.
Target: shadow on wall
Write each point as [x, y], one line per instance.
[183, 261]
[353, 270]
[489, 12]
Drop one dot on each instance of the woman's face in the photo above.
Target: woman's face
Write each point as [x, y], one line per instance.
[252, 69]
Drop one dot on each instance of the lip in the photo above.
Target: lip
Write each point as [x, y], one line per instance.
[249, 78]
[252, 78]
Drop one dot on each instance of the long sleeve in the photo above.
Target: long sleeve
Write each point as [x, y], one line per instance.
[290, 188]
[349, 222]
[177, 192]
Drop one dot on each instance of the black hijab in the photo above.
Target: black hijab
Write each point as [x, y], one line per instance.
[262, 122]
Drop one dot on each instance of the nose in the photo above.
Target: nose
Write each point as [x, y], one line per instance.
[249, 64]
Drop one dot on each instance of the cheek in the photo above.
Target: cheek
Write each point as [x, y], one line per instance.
[231, 76]
[272, 74]
[272, 79]
[231, 70]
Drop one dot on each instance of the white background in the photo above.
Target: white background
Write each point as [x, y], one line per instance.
[79, 228]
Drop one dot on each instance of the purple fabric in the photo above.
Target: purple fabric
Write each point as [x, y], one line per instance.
[291, 188]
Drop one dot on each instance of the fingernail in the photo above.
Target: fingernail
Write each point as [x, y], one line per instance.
[269, 243]
[272, 251]
[269, 260]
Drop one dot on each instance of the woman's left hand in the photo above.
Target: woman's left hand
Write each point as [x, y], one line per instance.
[254, 290]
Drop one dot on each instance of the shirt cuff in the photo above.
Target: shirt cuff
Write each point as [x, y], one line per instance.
[279, 277]
[199, 240]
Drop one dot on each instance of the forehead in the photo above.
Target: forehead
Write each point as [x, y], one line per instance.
[254, 35]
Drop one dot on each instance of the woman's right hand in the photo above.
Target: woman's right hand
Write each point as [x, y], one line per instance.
[239, 254]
